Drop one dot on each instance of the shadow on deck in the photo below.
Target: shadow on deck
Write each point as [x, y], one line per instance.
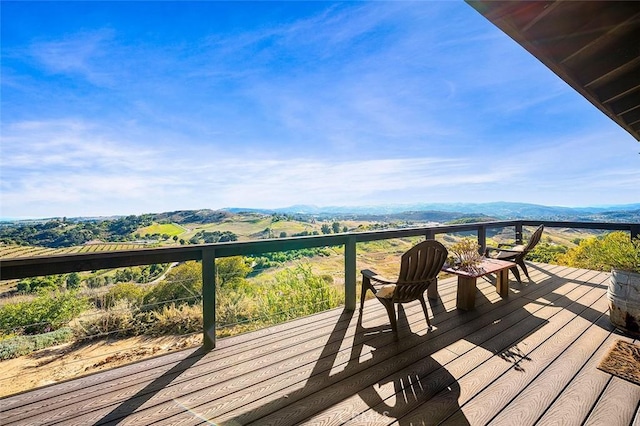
[530, 358]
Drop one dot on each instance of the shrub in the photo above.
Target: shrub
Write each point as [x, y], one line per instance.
[48, 312]
[117, 321]
[234, 306]
[182, 284]
[172, 319]
[130, 292]
[231, 271]
[24, 345]
[295, 292]
[49, 282]
[614, 250]
[125, 320]
[96, 281]
[546, 253]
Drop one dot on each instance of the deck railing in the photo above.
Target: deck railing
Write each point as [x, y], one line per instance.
[18, 268]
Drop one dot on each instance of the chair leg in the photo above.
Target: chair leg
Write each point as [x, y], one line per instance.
[391, 311]
[516, 273]
[366, 285]
[524, 268]
[426, 313]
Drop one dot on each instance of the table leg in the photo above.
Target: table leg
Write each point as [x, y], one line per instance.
[466, 298]
[502, 283]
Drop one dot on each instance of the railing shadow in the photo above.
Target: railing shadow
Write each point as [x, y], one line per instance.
[370, 377]
[129, 406]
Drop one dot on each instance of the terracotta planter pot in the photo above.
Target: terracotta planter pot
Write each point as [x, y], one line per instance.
[624, 301]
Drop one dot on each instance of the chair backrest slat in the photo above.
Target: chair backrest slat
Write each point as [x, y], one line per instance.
[419, 266]
[534, 240]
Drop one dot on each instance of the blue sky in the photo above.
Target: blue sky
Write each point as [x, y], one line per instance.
[140, 107]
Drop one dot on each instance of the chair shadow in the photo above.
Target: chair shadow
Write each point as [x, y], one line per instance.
[377, 362]
[412, 394]
[370, 377]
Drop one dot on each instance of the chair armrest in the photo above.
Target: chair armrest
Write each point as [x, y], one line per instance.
[489, 249]
[505, 247]
[375, 277]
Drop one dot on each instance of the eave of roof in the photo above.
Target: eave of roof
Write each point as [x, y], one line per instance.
[594, 46]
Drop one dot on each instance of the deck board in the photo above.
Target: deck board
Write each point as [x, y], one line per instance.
[527, 359]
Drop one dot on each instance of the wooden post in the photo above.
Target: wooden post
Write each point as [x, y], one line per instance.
[209, 297]
[350, 273]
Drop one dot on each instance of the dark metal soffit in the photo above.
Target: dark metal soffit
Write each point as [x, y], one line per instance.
[592, 45]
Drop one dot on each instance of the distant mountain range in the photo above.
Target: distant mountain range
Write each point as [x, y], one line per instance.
[433, 212]
[498, 210]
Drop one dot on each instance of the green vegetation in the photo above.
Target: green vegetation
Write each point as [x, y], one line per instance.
[268, 260]
[614, 250]
[183, 285]
[172, 306]
[48, 312]
[130, 293]
[35, 284]
[252, 291]
[160, 229]
[64, 233]
[23, 345]
[546, 253]
[213, 237]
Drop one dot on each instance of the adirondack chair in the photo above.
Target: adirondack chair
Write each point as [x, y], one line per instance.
[419, 268]
[516, 253]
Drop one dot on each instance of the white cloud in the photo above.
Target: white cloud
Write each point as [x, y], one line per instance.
[78, 54]
[361, 103]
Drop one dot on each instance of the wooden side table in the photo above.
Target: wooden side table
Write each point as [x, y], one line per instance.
[466, 298]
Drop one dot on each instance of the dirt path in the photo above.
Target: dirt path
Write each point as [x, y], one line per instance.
[68, 361]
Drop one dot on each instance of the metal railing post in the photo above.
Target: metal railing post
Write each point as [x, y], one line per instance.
[432, 290]
[482, 238]
[635, 231]
[519, 233]
[209, 298]
[350, 273]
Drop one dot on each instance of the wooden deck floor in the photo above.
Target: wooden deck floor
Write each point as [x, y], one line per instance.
[528, 359]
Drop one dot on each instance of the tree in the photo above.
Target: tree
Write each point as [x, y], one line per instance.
[546, 253]
[614, 250]
[325, 229]
[49, 282]
[336, 227]
[73, 281]
[95, 281]
[183, 284]
[283, 234]
[231, 270]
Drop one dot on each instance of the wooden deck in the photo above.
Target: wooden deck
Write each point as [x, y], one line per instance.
[528, 359]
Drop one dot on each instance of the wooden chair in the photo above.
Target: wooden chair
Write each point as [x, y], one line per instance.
[516, 253]
[419, 268]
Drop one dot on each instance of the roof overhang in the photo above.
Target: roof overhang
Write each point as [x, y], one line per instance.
[594, 46]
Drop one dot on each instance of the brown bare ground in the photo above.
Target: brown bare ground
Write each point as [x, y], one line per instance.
[63, 362]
